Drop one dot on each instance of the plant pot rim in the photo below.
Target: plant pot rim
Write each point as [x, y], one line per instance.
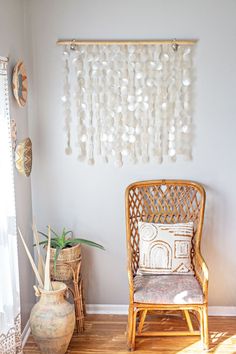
[67, 249]
[58, 285]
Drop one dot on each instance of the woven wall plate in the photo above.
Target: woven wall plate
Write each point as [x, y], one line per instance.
[23, 157]
[20, 84]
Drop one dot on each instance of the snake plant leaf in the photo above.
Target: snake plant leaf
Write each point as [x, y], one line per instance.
[53, 242]
[86, 242]
[42, 233]
[69, 232]
[54, 232]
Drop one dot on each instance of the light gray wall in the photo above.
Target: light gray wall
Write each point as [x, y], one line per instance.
[90, 200]
[12, 46]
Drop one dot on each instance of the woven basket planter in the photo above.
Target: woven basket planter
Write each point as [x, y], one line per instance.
[67, 260]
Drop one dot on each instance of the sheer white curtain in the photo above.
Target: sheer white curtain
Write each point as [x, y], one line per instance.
[10, 321]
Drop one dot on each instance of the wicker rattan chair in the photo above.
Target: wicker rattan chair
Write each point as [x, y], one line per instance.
[165, 201]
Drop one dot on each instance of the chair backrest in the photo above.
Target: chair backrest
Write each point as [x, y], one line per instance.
[162, 201]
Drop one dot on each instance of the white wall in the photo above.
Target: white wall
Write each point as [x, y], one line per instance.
[90, 200]
[12, 46]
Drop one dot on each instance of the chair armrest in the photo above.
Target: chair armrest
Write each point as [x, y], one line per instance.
[201, 271]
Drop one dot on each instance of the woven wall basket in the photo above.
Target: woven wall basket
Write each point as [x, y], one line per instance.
[23, 157]
[20, 84]
[67, 260]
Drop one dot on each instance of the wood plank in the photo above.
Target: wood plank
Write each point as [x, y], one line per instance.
[106, 334]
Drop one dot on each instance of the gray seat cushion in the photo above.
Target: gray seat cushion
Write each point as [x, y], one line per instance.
[167, 289]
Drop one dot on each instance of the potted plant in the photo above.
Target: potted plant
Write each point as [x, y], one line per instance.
[65, 252]
[52, 318]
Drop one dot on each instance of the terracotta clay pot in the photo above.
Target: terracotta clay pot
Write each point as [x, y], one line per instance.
[52, 320]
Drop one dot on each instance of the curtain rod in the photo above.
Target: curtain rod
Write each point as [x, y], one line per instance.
[72, 42]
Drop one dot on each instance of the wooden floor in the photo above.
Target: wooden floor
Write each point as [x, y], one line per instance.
[106, 334]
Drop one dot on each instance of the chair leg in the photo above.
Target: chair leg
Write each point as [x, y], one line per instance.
[201, 324]
[130, 326]
[132, 347]
[205, 328]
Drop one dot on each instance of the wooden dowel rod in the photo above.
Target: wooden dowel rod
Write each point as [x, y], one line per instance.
[125, 42]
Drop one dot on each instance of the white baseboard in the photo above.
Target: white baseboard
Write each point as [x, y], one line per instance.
[25, 334]
[107, 309]
[222, 310]
[123, 310]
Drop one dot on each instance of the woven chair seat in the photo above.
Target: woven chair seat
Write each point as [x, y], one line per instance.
[167, 289]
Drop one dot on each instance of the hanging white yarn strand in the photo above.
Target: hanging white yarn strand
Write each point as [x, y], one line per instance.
[81, 130]
[66, 99]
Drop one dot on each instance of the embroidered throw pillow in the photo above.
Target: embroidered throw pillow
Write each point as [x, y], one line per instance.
[165, 248]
